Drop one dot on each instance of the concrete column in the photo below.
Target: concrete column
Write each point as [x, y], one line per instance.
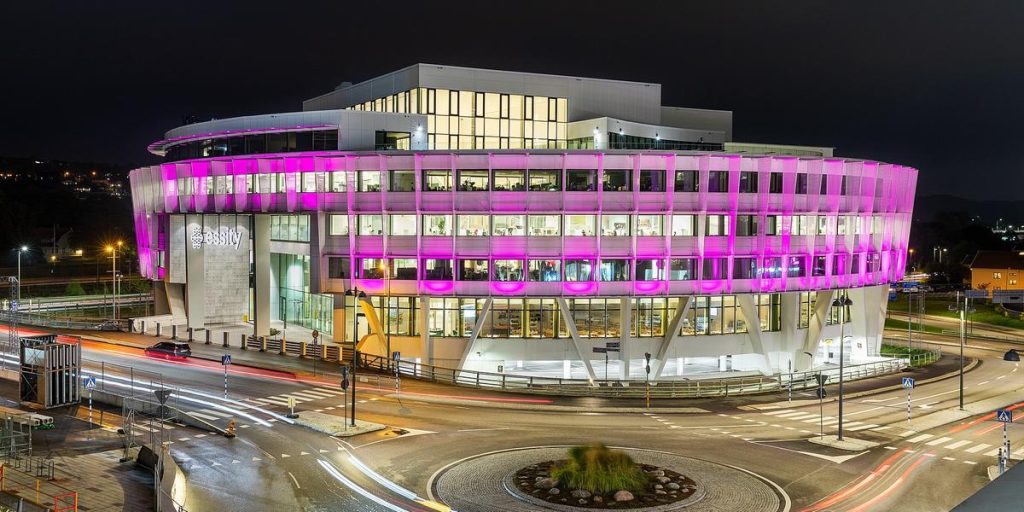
[261, 259]
[426, 339]
[317, 223]
[626, 317]
[195, 274]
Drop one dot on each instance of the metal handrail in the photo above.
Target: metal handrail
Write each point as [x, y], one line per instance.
[627, 388]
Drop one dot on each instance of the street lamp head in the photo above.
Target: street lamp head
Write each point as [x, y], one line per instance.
[24, 248]
[110, 248]
[120, 243]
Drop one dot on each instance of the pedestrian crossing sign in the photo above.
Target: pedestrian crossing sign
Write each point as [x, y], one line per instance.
[1004, 415]
[90, 383]
[908, 383]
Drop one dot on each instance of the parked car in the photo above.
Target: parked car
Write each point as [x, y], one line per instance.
[108, 325]
[172, 349]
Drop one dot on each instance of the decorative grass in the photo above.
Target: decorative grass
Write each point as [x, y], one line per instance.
[600, 470]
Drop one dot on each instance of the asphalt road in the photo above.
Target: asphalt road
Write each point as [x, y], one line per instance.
[273, 465]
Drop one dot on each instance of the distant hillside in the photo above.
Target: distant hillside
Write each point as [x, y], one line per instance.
[1012, 212]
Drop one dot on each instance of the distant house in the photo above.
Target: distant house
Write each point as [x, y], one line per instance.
[997, 270]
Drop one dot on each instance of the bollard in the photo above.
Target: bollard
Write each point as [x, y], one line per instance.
[284, 344]
[226, 339]
[303, 347]
[174, 332]
[157, 329]
[243, 342]
[207, 336]
[263, 343]
[143, 331]
[190, 339]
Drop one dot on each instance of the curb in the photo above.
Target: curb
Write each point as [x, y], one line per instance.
[797, 403]
[551, 408]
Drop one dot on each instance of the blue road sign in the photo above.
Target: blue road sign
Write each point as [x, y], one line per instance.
[89, 382]
[892, 295]
[1004, 415]
[225, 359]
[908, 383]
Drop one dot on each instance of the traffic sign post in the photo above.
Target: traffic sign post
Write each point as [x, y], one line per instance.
[291, 408]
[1004, 416]
[344, 396]
[225, 361]
[647, 368]
[822, 379]
[90, 384]
[908, 384]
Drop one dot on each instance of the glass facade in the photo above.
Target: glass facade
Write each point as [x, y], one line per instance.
[481, 120]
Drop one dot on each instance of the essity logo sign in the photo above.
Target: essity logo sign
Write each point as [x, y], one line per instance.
[230, 237]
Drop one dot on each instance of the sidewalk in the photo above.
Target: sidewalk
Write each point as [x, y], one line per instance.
[328, 373]
[85, 461]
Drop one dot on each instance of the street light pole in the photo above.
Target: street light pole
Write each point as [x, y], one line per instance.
[21, 249]
[354, 292]
[842, 303]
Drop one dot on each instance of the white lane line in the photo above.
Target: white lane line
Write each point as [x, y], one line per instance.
[783, 411]
[272, 401]
[919, 438]
[891, 448]
[285, 397]
[329, 390]
[481, 429]
[905, 434]
[948, 458]
[312, 394]
[1001, 377]
[977, 448]
[215, 413]
[297, 486]
[792, 414]
[971, 462]
[981, 383]
[864, 411]
[957, 444]
[202, 416]
[863, 427]
[829, 423]
[941, 440]
[992, 453]
[816, 419]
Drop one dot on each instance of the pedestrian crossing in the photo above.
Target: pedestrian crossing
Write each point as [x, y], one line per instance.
[815, 418]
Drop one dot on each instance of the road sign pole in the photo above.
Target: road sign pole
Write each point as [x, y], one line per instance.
[1006, 444]
[90, 409]
[908, 404]
[225, 382]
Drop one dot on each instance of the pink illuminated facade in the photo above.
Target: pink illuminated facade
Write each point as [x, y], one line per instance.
[523, 260]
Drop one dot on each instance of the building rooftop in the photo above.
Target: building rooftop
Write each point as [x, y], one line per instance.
[998, 260]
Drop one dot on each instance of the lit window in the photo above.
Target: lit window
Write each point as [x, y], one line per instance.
[650, 270]
[472, 270]
[718, 181]
[746, 225]
[339, 225]
[437, 225]
[545, 181]
[545, 270]
[438, 180]
[682, 269]
[509, 225]
[652, 181]
[717, 225]
[617, 180]
[615, 225]
[473, 225]
[748, 182]
[580, 225]
[473, 180]
[372, 268]
[369, 181]
[402, 225]
[544, 225]
[686, 181]
[509, 180]
[437, 270]
[579, 270]
[371, 225]
[337, 181]
[403, 269]
[581, 180]
[997, 275]
[615, 270]
[684, 225]
[650, 225]
[508, 270]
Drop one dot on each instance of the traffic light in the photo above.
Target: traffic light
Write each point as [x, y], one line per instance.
[344, 378]
[647, 366]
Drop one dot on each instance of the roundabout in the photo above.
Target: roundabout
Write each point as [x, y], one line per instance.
[488, 482]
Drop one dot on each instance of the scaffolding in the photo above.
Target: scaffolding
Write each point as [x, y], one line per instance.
[50, 370]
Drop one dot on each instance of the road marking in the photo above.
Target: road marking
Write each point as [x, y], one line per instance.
[285, 455]
[272, 401]
[864, 411]
[792, 414]
[829, 423]
[312, 394]
[878, 400]
[243, 426]
[971, 462]
[200, 415]
[1001, 377]
[322, 450]
[948, 458]
[783, 411]
[297, 486]
[941, 440]
[329, 390]
[957, 444]
[891, 448]
[820, 418]
[216, 464]
[920, 438]
[863, 427]
[981, 383]
[907, 433]
[200, 436]
[303, 453]
[977, 448]
[297, 398]
[318, 410]
[235, 461]
[329, 408]
[992, 453]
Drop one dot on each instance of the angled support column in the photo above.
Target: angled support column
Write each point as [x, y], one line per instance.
[570, 324]
[746, 303]
[815, 328]
[375, 328]
[471, 344]
[666, 341]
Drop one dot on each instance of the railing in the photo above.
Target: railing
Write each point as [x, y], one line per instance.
[699, 388]
[36, 320]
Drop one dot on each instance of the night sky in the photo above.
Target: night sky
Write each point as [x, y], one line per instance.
[935, 85]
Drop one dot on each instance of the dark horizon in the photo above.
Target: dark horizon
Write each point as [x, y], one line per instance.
[931, 85]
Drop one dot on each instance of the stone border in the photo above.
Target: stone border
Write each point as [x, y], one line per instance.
[481, 487]
[509, 484]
